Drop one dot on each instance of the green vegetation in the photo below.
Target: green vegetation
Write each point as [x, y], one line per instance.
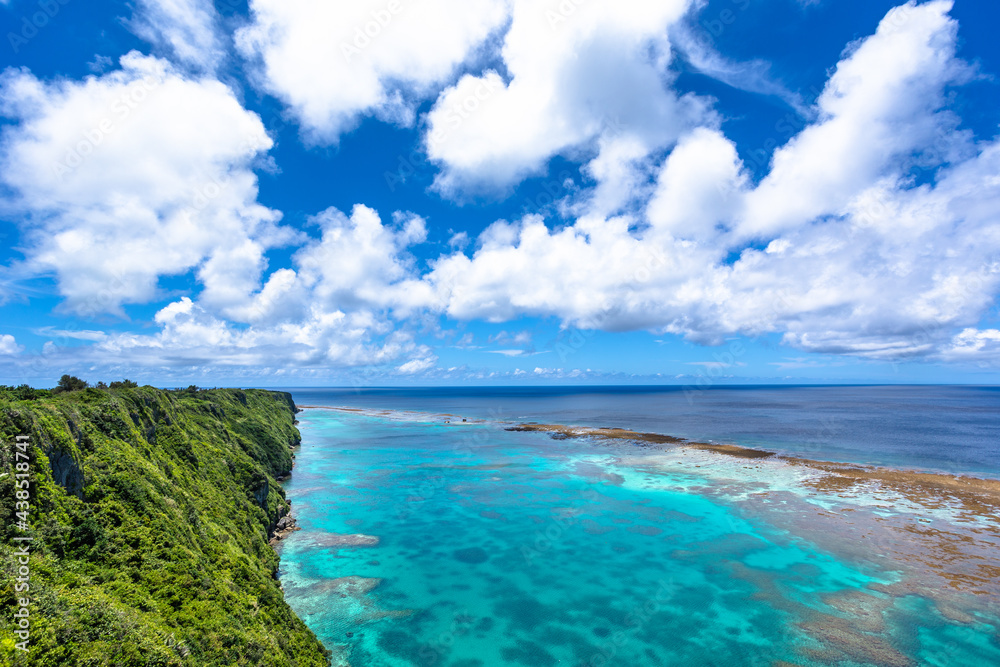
[151, 512]
[22, 393]
[70, 383]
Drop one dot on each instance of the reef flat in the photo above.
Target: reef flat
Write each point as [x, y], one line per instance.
[966, 554]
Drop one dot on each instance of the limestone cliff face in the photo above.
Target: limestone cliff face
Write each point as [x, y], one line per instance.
[66, 471]
[151, 512]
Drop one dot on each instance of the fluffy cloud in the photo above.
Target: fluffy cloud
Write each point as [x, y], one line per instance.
[331, 309]
[8, 345]
[573, 73]
[192, 336]
[892, 275]
[332, 62]
[134, 175]
[359, 262]
[879, 114]
[700, 187]
[416, 366]
[183, 29]
[974, 344]
[889, 281]
[577, 72]
[583, 274]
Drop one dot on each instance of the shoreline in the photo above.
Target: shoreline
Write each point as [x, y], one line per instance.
[286, 523]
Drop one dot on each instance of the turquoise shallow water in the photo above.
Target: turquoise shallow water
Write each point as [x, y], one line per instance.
[503, 548]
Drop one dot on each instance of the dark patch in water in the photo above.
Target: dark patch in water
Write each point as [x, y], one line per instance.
[582, 649]
[404, 645]
[472, 556]
[525, 613]
[594, 528]
[528, 653]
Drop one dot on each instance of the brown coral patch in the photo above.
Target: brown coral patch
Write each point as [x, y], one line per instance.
[864, 609]
[731, 450]
[839, 634]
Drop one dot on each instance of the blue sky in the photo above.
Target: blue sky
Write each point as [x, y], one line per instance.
[297, 192]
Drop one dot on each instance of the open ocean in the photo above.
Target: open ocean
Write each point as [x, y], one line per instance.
[428, 541]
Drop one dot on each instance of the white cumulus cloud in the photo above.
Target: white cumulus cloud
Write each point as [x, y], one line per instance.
[880, 110]
[140, 173]
[576, 72]
[333, 62]
[190, 335]
[974, 344]
[8, 345]
[893, 274]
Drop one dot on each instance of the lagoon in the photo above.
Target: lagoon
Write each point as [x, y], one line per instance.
[428, 541]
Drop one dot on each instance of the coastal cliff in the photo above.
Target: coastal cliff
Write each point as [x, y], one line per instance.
[151, 513]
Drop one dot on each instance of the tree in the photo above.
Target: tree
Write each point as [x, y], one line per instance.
[70, 383]
[124, 384]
